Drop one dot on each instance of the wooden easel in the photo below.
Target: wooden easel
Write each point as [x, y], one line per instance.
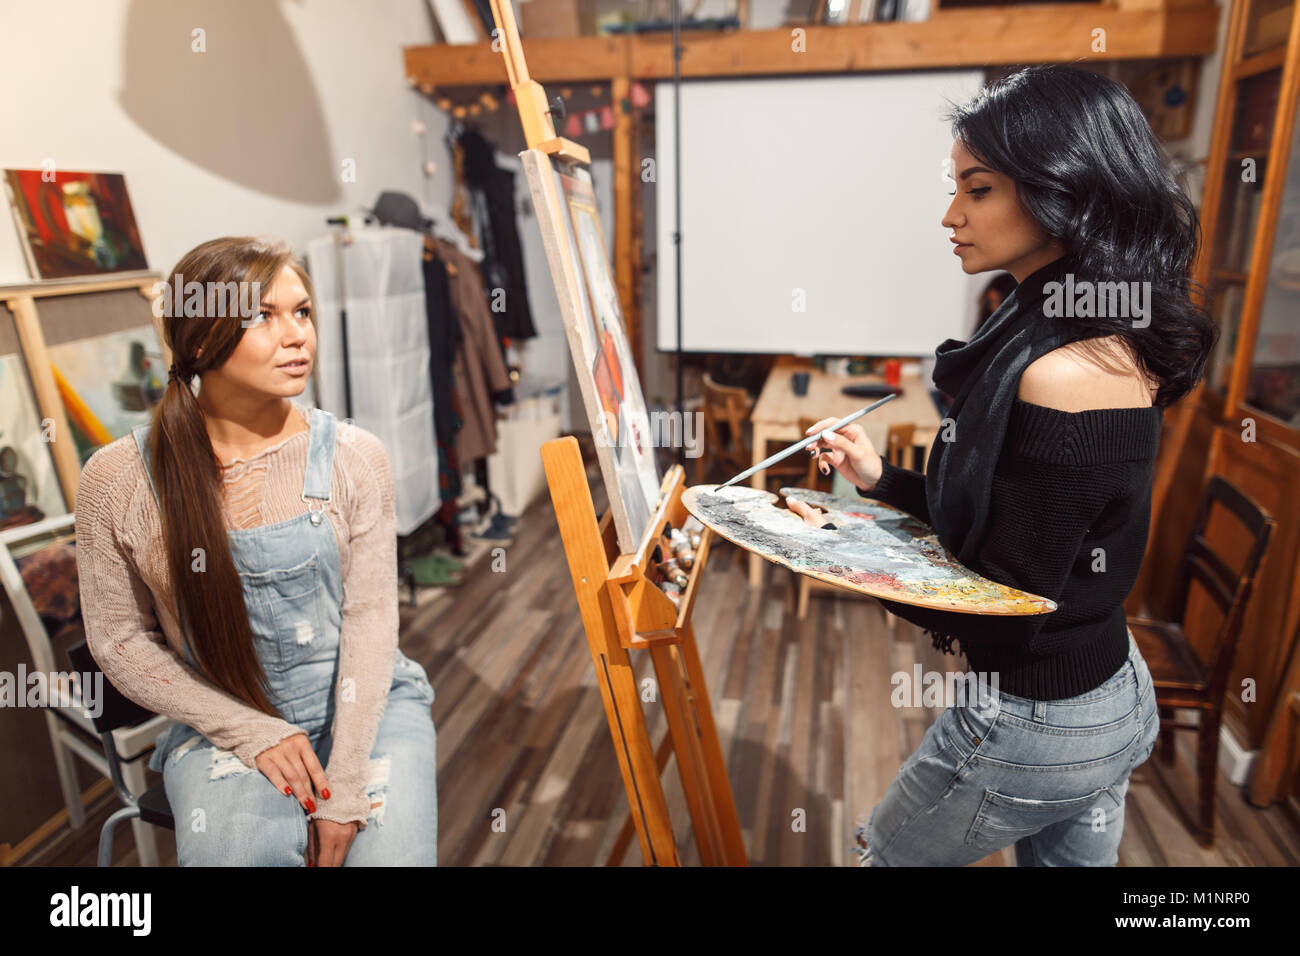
[623, 610]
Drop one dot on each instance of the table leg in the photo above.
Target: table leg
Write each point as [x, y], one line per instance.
[760, 452]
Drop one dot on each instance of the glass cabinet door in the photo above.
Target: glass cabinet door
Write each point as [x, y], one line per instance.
[1273, 386]
[1240, 204]
[1267, 25]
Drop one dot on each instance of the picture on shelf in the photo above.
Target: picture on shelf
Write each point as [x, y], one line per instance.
[75, 223]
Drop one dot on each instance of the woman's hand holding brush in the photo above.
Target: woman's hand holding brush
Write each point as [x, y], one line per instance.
[849, 452]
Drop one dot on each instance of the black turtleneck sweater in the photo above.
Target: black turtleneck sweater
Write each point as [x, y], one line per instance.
[1069, 512]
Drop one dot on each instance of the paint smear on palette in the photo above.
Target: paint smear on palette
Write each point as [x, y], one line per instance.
[874, 549]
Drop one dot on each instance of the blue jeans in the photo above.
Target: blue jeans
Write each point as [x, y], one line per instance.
[229, 815]
[1047, 776]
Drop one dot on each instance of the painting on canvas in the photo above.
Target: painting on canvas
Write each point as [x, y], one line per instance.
[607, 375]
[74, 223]
[29, 486]
[108, 384]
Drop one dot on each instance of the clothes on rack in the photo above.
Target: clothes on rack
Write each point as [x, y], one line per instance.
[479, 374]
[503, 267]
[444, 342]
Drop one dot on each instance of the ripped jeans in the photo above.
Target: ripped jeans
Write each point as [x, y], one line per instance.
[1047, 776]
[229, 815]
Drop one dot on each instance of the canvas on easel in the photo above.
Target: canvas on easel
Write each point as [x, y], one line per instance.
[614, 560]
[593, 321]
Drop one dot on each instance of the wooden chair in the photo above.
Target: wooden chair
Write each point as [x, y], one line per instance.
[898, 452]
[726, 410]
[1181, 677]
[725, 407]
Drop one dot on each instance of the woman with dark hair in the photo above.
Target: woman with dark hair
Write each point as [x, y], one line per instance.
[238, 567]
[1041, 476]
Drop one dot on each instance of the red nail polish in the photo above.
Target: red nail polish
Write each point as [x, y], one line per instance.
[310, 863]
[325, 793]
[289, 790]
[311, 806]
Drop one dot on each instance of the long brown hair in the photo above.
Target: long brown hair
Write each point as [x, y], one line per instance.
[186, 470]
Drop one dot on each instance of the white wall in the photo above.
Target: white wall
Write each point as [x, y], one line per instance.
[248, 137]
[316, 82]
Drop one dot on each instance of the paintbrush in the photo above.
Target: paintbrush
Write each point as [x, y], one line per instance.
[800, 445]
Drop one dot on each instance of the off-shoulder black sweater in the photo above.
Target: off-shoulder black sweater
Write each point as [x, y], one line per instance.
[1070, 509]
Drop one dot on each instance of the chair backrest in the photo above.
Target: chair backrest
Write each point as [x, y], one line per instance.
[1230, 590]
[898, 444]
[116, 710]
[729, 405]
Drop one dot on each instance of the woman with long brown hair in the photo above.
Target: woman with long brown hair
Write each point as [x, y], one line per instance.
[238, 567]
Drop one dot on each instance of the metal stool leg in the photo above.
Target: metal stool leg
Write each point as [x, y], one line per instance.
[106, 834]
[146, 836]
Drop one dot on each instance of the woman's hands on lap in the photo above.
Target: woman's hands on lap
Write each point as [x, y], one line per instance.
[293, 767]
[328, 842]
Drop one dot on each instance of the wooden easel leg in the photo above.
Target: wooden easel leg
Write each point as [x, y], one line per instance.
[724, 804]
[645, 793]
[619, 849]
[685, 732]
[588, 566]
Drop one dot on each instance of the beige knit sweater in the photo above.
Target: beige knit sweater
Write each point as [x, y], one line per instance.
[131, 619]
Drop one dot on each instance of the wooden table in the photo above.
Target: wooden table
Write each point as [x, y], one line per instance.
[777, 413]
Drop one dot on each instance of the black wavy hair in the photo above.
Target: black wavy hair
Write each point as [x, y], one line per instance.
[1089, 170]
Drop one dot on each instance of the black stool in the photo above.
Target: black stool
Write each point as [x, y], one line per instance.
[118, 711]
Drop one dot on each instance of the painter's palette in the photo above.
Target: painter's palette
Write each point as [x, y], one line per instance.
[874, 549]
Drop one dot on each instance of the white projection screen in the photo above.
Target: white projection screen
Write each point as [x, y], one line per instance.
[825, 192]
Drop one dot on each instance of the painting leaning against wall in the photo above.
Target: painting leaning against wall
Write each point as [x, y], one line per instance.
[74, 223]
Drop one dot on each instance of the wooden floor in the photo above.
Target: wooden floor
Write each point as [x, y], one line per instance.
[522, 736]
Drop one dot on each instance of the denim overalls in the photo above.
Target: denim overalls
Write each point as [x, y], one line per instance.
[229, 814]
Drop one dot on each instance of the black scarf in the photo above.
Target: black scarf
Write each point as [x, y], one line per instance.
[983, 376]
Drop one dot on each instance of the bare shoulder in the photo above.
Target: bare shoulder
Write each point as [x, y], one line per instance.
[1095, 373]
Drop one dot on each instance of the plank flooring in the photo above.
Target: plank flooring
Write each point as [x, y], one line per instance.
[527, 774]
